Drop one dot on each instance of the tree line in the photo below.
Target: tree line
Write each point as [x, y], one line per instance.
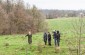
[50, 14]
[16, 18]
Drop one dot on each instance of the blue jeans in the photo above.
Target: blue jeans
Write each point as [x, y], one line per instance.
[56, 41]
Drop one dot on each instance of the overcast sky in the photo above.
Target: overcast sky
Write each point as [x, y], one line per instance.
[58, 4]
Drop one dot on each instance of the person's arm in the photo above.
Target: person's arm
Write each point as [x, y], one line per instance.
[31, 35]
[26, 35]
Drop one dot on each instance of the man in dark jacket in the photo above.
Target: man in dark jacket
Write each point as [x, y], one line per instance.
[29, 35]
[49, 38]
[55, 37]
[45, 38]
[58, 38]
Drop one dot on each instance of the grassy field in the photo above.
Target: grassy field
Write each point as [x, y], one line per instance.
[17, 44]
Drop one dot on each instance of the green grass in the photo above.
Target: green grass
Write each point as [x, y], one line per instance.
[17, 44]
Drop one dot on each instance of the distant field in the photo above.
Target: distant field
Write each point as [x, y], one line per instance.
[17, 44]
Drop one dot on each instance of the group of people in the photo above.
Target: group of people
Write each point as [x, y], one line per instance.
[47, 38]
[56, 37]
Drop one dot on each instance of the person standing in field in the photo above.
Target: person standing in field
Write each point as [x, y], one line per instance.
[58, 38]
[49, 39]
[45, 38]
[29, 35]
[55, 37]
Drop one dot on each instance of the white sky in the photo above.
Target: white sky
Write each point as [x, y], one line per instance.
[58, 4]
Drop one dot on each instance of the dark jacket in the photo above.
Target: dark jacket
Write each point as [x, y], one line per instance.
[29, 38]
[58, 36]
[45, 37]
[55, 35]
[49, 37]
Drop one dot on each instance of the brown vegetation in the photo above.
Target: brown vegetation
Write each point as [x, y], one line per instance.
[15, 18]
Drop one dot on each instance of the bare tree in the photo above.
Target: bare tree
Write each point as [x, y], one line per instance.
[38, 19]
[3, 21]
[19, 19]
[75, 44]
